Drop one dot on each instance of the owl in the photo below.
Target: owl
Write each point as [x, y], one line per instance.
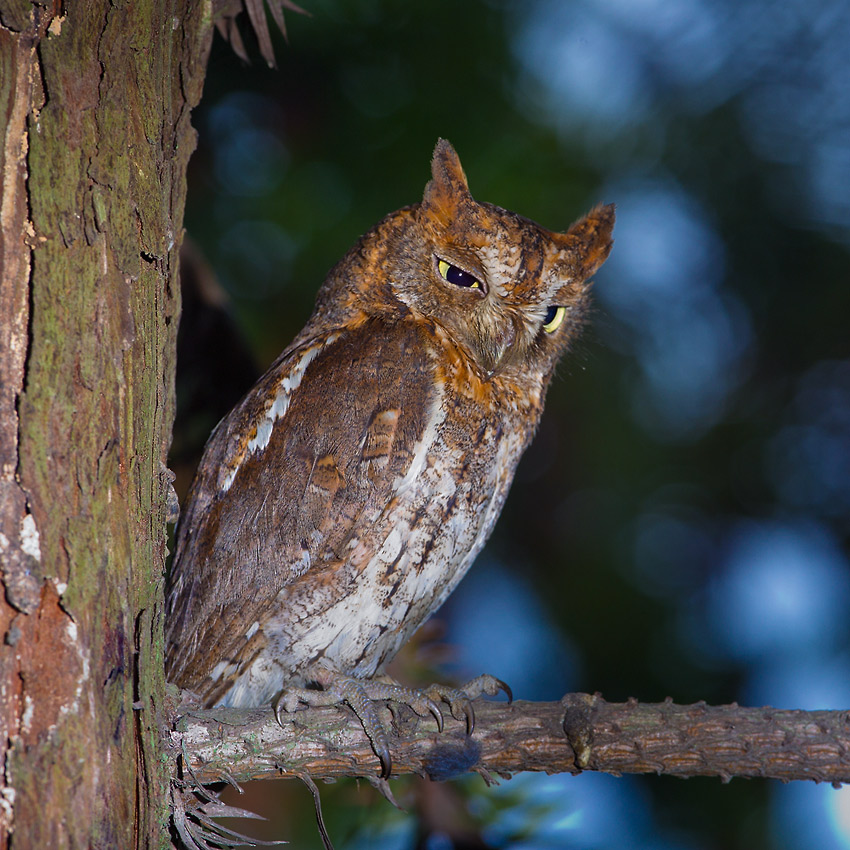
[342, 500]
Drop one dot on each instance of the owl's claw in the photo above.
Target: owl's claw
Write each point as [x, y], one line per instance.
[355, 695]
[338, 689]
[460, 705]
[422, 705]
[460, 699]
[360, 695]
[488, 685]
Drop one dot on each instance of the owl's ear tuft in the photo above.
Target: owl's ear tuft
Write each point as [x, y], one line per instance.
[446, 168]
[589, 239]
[448, 187]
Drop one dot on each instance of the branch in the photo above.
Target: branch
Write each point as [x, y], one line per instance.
[581, 732]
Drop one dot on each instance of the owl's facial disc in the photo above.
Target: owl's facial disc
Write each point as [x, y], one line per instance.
[492, 307]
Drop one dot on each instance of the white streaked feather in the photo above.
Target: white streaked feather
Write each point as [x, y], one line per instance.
[277, 410]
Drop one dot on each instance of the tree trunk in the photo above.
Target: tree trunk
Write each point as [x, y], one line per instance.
[95, 107]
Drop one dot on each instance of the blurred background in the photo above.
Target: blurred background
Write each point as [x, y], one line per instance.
[680, 526]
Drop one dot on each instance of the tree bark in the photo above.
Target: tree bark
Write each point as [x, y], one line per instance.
[581, 732]
[95, 105]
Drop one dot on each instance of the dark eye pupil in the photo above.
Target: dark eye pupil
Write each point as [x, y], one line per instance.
[459, 277]
[550, 315]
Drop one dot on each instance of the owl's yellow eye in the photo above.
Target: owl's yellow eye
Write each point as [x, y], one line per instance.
[553, 318]
[452, 274]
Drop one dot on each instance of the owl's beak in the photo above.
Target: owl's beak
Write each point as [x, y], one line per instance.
[495, 349]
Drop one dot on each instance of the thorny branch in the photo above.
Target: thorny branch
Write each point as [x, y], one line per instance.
[581, 732]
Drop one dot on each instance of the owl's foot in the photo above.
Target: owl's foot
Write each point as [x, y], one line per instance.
[360, 695]
[460, 699]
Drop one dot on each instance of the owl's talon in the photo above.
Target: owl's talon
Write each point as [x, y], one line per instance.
[357, 695]
[288, 701]
[384, 757]
[486, 684]
[336, 689]
[460, 699]
[425, 705]
[467, 712]
[460, 705]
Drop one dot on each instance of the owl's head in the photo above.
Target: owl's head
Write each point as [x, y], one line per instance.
[509, 291]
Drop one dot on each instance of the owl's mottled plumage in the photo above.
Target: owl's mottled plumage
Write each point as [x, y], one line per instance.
[342, 500]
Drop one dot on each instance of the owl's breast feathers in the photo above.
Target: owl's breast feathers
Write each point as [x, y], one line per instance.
[334, 509]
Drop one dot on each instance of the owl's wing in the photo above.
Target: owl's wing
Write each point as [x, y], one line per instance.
[302, 467]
